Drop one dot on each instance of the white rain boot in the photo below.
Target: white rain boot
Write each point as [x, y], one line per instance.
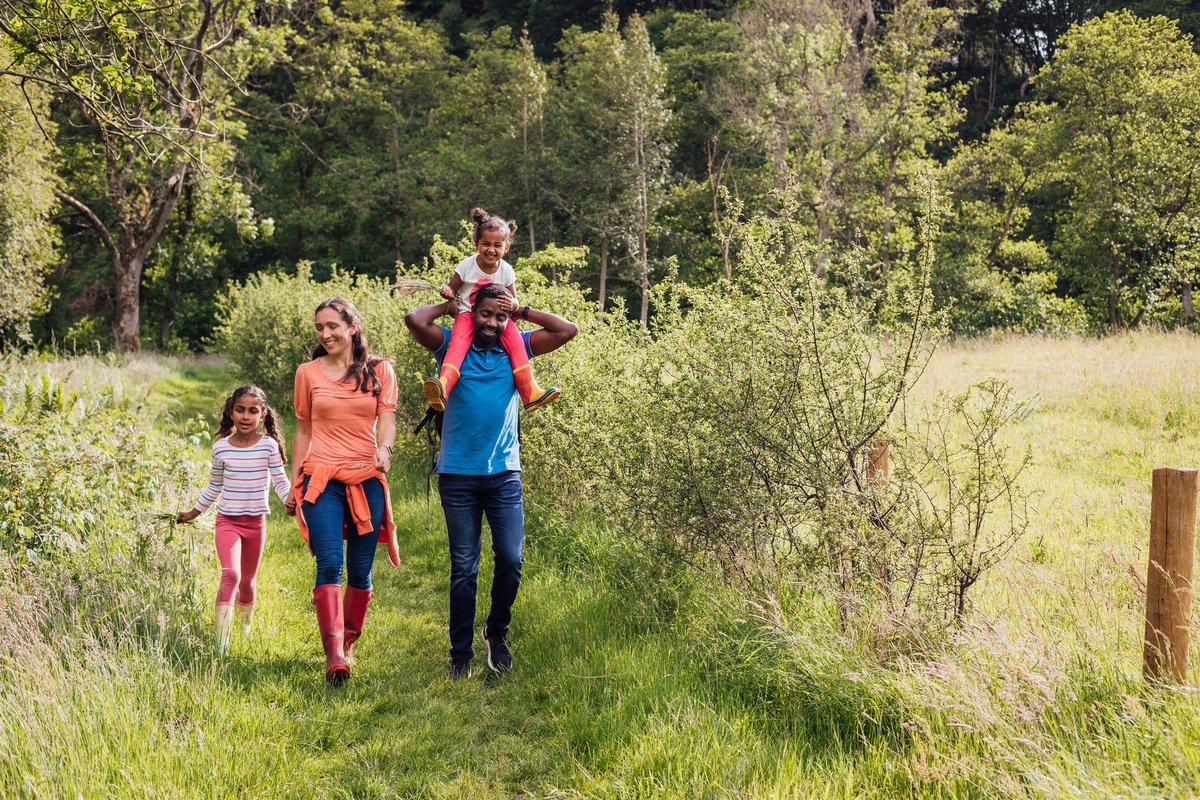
[244, 615]
[222, 623]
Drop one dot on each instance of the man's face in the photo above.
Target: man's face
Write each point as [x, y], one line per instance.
[489, 322]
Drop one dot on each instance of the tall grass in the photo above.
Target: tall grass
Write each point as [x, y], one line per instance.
[626, 688]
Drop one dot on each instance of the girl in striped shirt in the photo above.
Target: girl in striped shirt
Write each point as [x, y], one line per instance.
[244, 463]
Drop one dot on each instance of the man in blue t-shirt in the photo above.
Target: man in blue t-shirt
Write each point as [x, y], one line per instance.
[479, 465]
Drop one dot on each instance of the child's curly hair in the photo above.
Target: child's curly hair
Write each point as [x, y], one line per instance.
[486, 222]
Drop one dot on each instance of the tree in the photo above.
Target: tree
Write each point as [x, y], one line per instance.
[28, 240]
[611, 146]
[844, 103]
[151, 82]
[490, 130]
[1124, 125]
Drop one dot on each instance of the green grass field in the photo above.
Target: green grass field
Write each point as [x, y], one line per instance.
[623, 691]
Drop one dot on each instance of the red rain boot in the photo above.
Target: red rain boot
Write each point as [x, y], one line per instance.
[355, 609]
[328, 600]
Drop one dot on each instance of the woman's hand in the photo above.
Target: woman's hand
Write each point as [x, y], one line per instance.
[383, 458]
[289, 505]
[187, 516]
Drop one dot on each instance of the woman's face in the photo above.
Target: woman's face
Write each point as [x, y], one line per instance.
[332, 331]
[492, 246]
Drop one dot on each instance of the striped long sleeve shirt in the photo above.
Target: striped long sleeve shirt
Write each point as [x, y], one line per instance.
[241, 477]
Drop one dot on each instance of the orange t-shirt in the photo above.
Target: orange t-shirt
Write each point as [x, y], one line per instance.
[343, 418]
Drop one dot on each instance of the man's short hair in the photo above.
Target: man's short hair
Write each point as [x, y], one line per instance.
[493, 290]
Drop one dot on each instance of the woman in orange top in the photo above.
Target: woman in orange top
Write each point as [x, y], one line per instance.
[345, 430]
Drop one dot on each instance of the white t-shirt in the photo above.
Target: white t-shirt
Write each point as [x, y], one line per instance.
[470, 273]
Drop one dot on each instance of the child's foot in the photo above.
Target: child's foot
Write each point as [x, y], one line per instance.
[434, 393]
[545, 398]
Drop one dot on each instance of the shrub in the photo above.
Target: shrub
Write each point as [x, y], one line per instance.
[736, 435]
[83, 487]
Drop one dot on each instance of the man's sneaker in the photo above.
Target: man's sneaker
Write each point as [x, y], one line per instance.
[460, 669]
[499, 656]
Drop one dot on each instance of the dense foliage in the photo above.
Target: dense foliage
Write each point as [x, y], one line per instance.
[351, 135]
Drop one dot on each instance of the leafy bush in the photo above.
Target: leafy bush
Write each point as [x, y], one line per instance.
[737, 435]
[83, 485]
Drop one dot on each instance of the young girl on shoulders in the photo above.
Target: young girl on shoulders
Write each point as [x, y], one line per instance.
[245, 462]
[493, 237]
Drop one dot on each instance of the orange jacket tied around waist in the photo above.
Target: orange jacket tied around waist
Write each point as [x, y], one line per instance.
[360, 510]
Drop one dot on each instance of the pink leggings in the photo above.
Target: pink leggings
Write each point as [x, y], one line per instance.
[240, 541]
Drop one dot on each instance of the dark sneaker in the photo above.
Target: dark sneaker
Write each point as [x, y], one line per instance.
[499, 656]
[460, 669]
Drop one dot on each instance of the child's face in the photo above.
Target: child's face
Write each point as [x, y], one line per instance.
[246, 413]
[492, 246]
[332, 331]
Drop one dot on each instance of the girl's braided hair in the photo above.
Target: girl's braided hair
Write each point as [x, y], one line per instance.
[270, 421]
[362, 364]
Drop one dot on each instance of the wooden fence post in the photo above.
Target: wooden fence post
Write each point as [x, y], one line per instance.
[879, 467]
[1169, 573]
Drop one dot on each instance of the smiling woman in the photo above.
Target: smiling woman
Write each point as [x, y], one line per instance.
[345, 401]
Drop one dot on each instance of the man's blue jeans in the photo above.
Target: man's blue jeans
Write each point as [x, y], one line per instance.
[326, 520]
[465, 499]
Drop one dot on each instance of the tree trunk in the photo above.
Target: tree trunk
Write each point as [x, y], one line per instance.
[125, 330]
[644, 260]
[1189, 313]
[1114, 319]
[532, 241]
[603, 273]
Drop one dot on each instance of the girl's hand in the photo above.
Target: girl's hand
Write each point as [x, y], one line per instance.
[187, 516]
[446, 292]
[383, 458]
[289, 505]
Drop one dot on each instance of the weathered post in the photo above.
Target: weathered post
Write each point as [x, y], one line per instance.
[879, 467]
[1169, 573]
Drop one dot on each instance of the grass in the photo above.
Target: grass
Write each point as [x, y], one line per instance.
[621, 692]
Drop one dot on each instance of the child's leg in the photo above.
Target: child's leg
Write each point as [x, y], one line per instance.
[438, 389]
[229, 546]
[533, 396]
[460, 339]
[254, 537]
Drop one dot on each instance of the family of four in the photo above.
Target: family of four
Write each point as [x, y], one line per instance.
[345, 404]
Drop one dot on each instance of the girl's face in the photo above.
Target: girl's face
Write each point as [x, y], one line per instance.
[247, 413]
[332, 331]
[492, 246]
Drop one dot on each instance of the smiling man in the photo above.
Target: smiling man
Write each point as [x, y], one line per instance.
[479, 464]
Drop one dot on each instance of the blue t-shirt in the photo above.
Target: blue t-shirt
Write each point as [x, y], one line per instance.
[479, 428]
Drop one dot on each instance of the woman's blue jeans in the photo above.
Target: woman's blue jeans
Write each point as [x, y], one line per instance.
[327, 518]
[465, 501]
